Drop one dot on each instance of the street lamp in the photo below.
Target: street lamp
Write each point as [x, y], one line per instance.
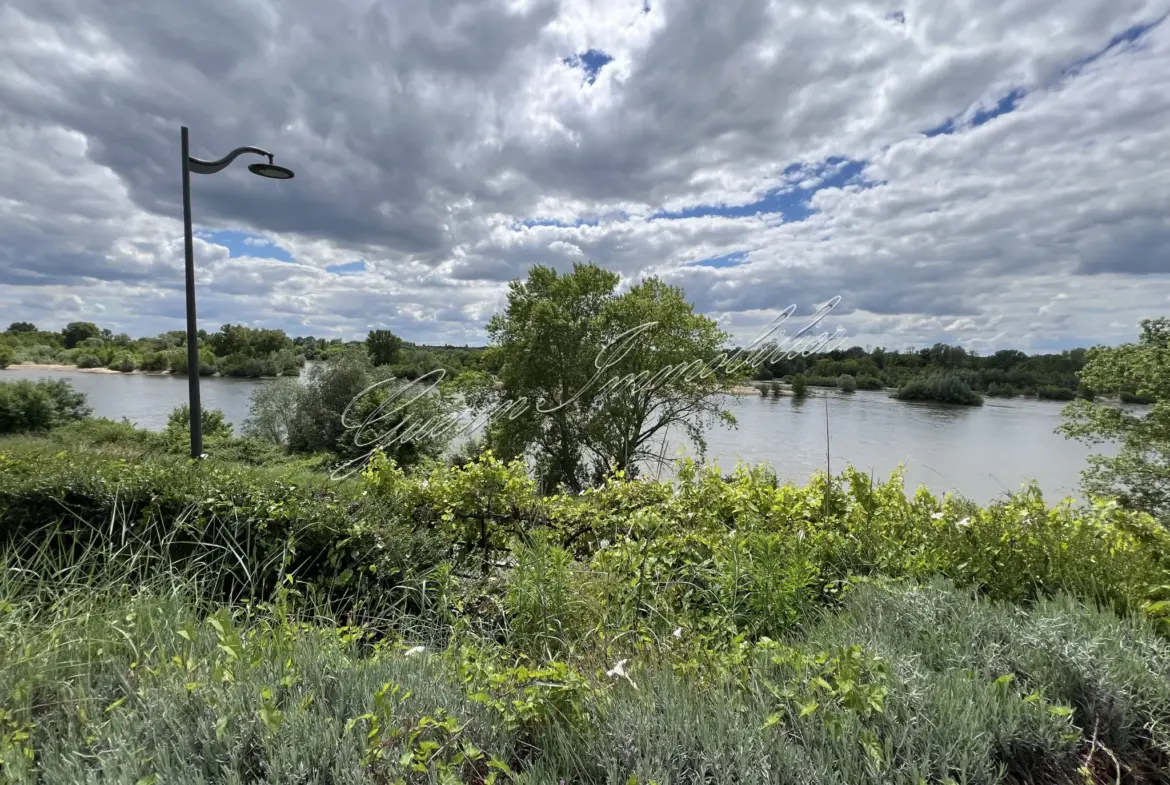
[190, 164]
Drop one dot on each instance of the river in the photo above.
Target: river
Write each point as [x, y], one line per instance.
[980, 452]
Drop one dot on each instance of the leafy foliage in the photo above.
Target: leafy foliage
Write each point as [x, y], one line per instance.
[40, 405]
[590, 380]
[939, 386]
[1139, 475]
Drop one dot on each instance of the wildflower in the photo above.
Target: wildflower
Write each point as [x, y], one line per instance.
[964, 522]
[678, 632]
[936, 516]
[604, 543]
[618, 671]
[414, 651]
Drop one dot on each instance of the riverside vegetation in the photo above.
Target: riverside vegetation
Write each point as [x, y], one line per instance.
[449, 618]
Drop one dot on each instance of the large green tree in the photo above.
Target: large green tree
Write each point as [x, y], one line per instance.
[384, 347]
[662, 372]
[77, 332]
[592, 380]
[1139, 475]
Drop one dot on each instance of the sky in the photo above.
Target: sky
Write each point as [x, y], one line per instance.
[993, 174]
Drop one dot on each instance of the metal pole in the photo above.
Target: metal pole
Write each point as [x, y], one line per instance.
[192, 336]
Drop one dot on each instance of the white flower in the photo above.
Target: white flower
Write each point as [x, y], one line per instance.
[936, 516]
[964, 522]
[414, 651]
[604, 544]
[618, 671]
[678, 632]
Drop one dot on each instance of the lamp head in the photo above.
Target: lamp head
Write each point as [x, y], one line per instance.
[271, 170]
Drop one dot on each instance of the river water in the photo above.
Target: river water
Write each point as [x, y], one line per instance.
[980, 452]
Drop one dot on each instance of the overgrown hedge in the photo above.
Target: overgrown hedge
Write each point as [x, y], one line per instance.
[247, 526]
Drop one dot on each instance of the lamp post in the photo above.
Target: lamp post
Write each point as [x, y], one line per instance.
[190, 164]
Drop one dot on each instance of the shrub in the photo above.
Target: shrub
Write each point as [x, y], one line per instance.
[997, 390]
[1086, 392]
[846, 383]
[40, 405]
[799, 386]
[938, 386]
[212, 420]
[155, 361]
[1131, 397]
[89, 360]
[239, 529]
[271, 411]
[7, 356]
[334, 405]
[869, 383]
[125, 364]
[1051, 393]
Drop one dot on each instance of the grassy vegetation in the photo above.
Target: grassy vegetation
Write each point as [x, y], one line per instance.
[166, 621]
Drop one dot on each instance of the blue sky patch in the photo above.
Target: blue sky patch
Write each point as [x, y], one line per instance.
[349, 268]
[1010, 101]
[721, 262]
[1128, 36]
[591, 62]
[1004, 105]
[791, 201]
[246, 244]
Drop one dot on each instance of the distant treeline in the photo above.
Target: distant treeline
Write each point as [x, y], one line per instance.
[1006, 373]
[234, 350]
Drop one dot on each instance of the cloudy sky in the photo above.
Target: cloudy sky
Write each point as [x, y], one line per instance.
[983, 172]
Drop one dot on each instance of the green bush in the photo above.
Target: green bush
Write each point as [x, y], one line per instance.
[89, 360]
[125, 364]
[939, 386]
[846, 383]
[799, 386]
[212, 421]
[155, 361]
[1131, 397]
[1055, 393]
[40, 405]
[239, 528]
[7, 356]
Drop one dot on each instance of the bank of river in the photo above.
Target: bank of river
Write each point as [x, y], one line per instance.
[980, 452]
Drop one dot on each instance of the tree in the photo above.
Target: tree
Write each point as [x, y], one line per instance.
[588, 375]
[271, 411]
[668, 377]
[22, 327]
[344, 408]
[7, 356]
[1139, 475]
[76, 332]
[384, 347]
[547, 342]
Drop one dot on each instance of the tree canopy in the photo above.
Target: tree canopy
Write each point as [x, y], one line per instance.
[1139, 475]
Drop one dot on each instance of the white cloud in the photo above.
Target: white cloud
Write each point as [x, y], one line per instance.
[426, 137]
